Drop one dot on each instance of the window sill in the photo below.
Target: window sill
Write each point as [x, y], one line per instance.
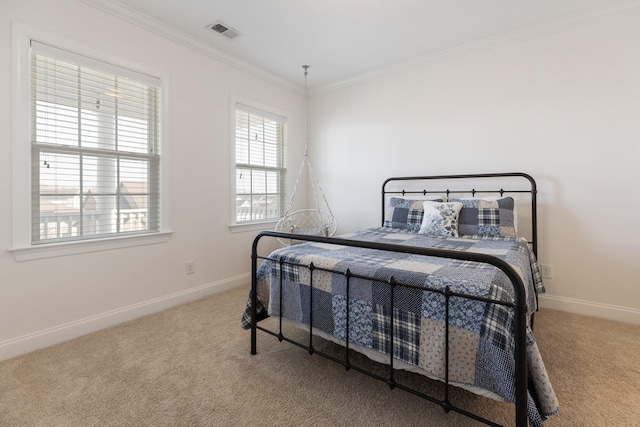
[253, 226]
[84, 246]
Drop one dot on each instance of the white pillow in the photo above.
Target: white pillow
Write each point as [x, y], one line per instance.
[440, 219]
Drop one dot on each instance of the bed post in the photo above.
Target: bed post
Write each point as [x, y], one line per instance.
[520, 356]
[534, 212]
[254, 293]
[384, 204]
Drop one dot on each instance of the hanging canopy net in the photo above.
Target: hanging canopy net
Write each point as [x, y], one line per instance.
[310, 222]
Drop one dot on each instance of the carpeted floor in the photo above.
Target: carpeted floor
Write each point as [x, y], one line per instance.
[190, 366]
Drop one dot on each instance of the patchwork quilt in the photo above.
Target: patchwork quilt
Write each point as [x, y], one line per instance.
[481, 337]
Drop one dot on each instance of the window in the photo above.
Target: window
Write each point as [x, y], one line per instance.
[95, 152]
[260, 172]
[88, 172]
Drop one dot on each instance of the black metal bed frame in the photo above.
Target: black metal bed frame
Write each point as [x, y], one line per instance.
[519, 304]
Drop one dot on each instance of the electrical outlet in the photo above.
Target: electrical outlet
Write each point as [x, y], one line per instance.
[546, 271]
[191, 267]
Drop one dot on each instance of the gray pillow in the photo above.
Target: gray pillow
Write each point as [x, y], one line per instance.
[406, 214]
[486, 217]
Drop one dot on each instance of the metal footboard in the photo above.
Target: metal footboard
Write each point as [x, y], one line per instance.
[519, 307]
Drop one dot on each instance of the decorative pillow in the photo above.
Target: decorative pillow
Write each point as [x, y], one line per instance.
[440, 219]
[487, 217]
[405, 214]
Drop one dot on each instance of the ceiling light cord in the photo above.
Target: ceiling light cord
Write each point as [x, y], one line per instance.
[306, 108]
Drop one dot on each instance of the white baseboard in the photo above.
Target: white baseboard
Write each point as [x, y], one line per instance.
[28, 343]
[592, 309]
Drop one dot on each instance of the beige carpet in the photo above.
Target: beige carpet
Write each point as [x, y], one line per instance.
[190, 366]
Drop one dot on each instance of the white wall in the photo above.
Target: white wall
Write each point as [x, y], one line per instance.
[48, 300]
[563, 107]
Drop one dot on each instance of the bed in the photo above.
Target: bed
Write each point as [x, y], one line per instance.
[446, 288]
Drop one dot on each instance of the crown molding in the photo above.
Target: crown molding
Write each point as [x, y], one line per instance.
[558, 25]
[151, 24]
[562, 24]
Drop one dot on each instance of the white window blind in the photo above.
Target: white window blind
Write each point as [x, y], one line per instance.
[95, 148]
[260, 165]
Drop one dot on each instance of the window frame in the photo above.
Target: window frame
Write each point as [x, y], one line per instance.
[22, 247]
[268, 110]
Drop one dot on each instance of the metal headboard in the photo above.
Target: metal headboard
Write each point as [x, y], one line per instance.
[414, 182]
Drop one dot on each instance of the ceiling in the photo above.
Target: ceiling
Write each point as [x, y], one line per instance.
[347, 40]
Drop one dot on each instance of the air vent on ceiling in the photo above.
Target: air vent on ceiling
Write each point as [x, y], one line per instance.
[223, 29]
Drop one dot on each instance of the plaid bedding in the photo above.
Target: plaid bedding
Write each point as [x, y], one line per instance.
[481, 338]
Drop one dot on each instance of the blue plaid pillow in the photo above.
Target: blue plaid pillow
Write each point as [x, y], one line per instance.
[487, 217]
[406, 214]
